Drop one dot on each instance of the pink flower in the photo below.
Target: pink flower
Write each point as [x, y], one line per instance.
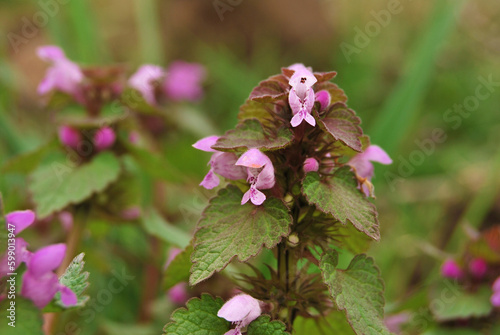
[179, 294]
[20, 219]
[260, 172]
[222, 163]
[183, 81]
[478, 267]
[450, 269]
[241, 310]
[363, 166]
[131, 213]
[301, 96]
[40, 283]
[323, 97]
[104, 138]
[144, 80]
[63, 75]
[495, 299]
[310, 164]
[496, 285]
[66, 219]
[69, 136]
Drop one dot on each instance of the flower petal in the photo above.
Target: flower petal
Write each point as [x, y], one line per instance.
[294, 101]
[68, 297]
[223, 163]
[257, 197]
[104, 138]
[144, 79]
[246, 197]
[39, 289]
[241, 308]
[323, 97]
[50, 53]
[210, 181]
[47, 259]
[297, 120]
[183, 81]
[206, 143]
[20, 219]
[375, 153]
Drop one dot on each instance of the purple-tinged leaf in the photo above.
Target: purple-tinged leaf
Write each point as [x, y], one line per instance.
[343, 124]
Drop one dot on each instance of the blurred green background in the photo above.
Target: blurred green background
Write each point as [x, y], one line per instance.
[404, 74]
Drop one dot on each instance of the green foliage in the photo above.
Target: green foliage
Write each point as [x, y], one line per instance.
[3, 229]
[334, 323]
[251, 134]
[75, 279]
[153, 164]
[27, 162]
[228, 229]
[56, 185]
[263, 326]
[270, 90]
[449, 301]
[28, 318]
[358, 291]
[155, 225]
[340, 197]
[343, 125]
[461, 331]
[200, 318]
[178, 270]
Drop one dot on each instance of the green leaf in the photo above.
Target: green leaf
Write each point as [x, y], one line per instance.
[28, 319]
[325, 76]
[155, 225]
[251, 134]
[228, 229]
[200, 318]
[75, 279]
[340, 197]
[449, 301]
[461, 331]
[57, 185]
[257, 110]
[178, 270]
[334, 323]
[271, 90]
[27, 162]
[350, 239]
[264, 326]
[358, 291]
[343, 124]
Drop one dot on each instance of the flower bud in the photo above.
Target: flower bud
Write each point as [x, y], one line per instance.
[495, 299]
[69, 137]
[311, 164]
[104, 138]
[478, 267]
[323, 97]
[450, 269]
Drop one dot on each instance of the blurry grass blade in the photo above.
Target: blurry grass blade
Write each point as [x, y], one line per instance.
[400, 110]
[149, 31]
[155, 225]
[84, 31]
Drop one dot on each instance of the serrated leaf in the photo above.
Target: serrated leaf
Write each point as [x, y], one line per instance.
[55, 186]
[251, 134]
[28, 319]
[334, 323]
[27, 162]
[200, 318]
[358, 291]
[271, 90]
[343, 124]
[339, 196]
[75, 279]
[228, 229]
[264, 326]
[178, 270]
[257, 110]
[325, 76]
[459, 304]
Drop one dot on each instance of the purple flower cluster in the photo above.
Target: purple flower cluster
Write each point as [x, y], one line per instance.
[40, 283]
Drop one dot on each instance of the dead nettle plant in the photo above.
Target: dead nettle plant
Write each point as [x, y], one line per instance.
[298, 168]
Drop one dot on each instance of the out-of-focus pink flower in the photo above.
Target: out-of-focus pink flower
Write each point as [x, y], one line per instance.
[222, 163]
[179, 294]
[183, 81]
[133, 137]
[323, 97]
[478, 267]
[450, 269]
[301, 95]
[241, 310]
[104, 138]
[69, 136]
[260, 172]
[172, 253]
[63, 75]
[131, 213]
[20, 220]
[40, 283]
[66, 219]
[362, 163]
[144, 80]
[394, 322]
[496, 285]
[310, 164]
[22, 255]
